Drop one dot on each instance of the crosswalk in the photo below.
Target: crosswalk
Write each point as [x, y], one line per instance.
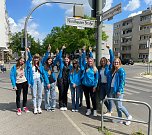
[138, 85]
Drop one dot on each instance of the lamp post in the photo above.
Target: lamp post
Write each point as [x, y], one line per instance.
[29, 15]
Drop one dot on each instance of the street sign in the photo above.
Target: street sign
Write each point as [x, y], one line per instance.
[112, 12]
[91, 3]
[71, 21]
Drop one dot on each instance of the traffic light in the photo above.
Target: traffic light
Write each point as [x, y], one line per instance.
[94, 7]
[22, 42]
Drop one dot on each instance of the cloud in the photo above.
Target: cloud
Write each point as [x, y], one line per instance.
[132, 5]
[134, 14]
[37, 2]
[32, 27]
[148, 2]
[108, 5]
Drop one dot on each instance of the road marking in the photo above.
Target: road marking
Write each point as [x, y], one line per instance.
[138, 88]
[74, 124]
[128, 93]
[131, 91]
[137, 80]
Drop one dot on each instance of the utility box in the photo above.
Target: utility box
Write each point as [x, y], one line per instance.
[78, 11]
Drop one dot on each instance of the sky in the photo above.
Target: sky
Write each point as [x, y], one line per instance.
[51, 15]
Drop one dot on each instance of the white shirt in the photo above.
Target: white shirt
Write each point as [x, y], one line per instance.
[103, 77]
[113, 80]
[36, 73]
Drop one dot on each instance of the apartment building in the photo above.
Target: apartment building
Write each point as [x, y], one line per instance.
[4, 30]
[131, 35]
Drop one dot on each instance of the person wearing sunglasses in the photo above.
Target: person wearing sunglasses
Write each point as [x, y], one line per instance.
[117, 78]
[19, 76]
[75, 85]
[89, 81]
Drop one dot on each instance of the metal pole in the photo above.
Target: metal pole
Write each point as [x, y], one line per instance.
[99, 31]
[27, 18]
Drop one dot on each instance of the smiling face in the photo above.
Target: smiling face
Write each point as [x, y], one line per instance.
[117, 63]
[21, 61]
[67, 60]
[90, 62]
[103, 62]
[50, 61]
[36, 60]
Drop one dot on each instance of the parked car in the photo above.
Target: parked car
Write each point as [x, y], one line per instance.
[127, 61]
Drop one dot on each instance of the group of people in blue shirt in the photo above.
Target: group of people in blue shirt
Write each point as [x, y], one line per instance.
[80, 74]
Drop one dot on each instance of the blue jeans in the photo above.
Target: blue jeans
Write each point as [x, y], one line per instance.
[50, 96]
[37, 90]
[119, 106]
[75, 97]
[109, 95]
[104, 93]
[80, 94]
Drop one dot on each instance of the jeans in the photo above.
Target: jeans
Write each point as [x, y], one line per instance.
[37, 91]
[50, 96]
[21, 86]
[119, 106]
[104, 93]
[109, 95]
[75, 92]
[80, 95]
[88, 92]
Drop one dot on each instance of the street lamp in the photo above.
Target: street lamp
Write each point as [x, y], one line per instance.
[29, 15]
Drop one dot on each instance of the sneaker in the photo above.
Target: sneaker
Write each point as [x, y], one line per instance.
[117, 121]
[129, 122]
[73, 110]
[53, 109]
[62, 108]
[107, 114]
[76, 110]
[65, 108]
[95, 113]
[26, 109]
[88, 112]
[19, 112]
[39, 110]
[35, 110]
[48, 110]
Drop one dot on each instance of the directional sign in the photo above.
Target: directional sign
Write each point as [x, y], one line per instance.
[71, 21]
[112, 12]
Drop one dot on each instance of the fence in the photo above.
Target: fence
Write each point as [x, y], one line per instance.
[130, 101]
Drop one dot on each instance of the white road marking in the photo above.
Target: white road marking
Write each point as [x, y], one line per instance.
[133, 91]
[138, 88]
[74, 124]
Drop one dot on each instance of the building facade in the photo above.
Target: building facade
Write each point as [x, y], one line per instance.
[131, 37]
[4, 30]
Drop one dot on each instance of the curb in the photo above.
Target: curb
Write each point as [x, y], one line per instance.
[144, 76]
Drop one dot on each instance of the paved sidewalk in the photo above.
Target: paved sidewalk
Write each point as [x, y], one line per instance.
[51, 123]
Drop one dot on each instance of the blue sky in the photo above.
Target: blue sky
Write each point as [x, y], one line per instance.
[48, 16]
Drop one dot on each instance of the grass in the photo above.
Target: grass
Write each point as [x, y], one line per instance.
[105, 131]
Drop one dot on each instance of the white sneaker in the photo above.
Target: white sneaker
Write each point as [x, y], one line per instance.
[95, 113]
[76, 110]
[73, 110]
[62, 108]
[35, 110]
[88, 112]
[129, 122]
[107, 114]
[65, 108]
[39, 110]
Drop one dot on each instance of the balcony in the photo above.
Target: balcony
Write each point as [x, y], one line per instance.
[126, 43]
[130, 25]
[147, 21]
[145, 31]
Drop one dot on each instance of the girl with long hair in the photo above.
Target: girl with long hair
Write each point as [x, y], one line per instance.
[63, 79]
[50, 93]
[89, 83]
[104, 68]
[75, 85]
[117, 78]
[19, 76]
[37, 78]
